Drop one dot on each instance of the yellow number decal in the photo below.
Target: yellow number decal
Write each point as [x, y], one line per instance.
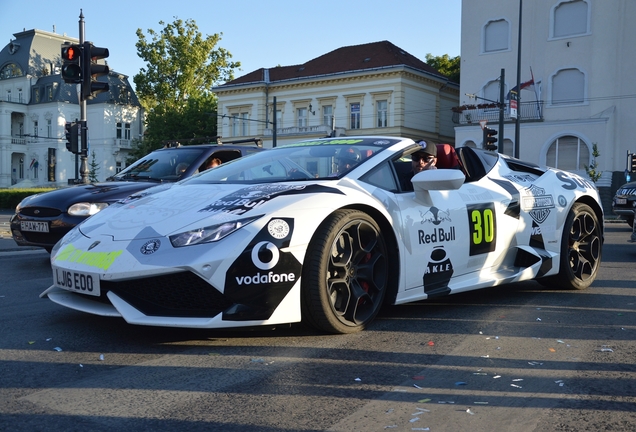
[483, 228]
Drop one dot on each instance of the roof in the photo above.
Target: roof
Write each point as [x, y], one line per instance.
[368, 56]
[38, 53]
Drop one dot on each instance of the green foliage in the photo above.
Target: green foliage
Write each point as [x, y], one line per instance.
[591, 170]
[447, 66]
[93, 168]
[180, 64]
[174, 87]
[10, 198]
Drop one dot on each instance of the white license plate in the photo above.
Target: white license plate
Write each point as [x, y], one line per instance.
[621, 201]
[34, 226]
[80, 282]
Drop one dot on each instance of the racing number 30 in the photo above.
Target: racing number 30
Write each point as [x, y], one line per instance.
[482, 228]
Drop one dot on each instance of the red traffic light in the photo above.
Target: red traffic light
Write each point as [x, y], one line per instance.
[71, 63]
[71, 53]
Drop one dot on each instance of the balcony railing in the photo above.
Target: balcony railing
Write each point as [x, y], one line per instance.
[527, 111]
[122, 143]
[15, 140]
[304, 130]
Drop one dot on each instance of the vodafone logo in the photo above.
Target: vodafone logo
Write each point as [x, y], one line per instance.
[265, 255]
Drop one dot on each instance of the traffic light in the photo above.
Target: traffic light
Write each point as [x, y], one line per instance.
[631, 161]
[91, 70]
[72, 63]
[489, 139]
[72, 137]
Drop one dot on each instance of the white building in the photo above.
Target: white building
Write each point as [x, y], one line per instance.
[581, 54]
[370, 89]
[35, 104]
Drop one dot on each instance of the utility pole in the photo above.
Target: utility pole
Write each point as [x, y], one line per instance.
[502, 81]
[84, 129]
[517, 120]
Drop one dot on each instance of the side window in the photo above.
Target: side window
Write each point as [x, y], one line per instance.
[382, 177]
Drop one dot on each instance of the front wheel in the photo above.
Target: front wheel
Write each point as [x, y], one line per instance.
[345, 275]
[581, 245]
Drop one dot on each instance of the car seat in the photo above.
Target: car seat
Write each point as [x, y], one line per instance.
[446, 157]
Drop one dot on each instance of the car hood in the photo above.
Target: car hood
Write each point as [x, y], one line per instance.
[108, 192]
[630, 185]
[183, 207]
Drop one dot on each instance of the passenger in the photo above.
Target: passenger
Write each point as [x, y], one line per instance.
[421, 160]
[346, 160]
[181, 168]
[214, 162]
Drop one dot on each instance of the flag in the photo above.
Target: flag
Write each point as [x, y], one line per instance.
[528, 85]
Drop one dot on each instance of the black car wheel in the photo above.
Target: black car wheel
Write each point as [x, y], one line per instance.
[581, 246]
[345, 273]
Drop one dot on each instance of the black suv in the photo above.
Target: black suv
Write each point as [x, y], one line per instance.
[624, 202]
[43, 219]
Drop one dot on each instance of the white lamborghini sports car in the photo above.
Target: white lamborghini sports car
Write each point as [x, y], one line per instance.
[326, 231]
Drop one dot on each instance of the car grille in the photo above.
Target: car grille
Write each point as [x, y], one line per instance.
[40, 211]
[179, 294]
[43, 238]
[626, 191]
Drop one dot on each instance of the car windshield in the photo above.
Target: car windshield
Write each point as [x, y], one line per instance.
[160, 165]
[307, 160]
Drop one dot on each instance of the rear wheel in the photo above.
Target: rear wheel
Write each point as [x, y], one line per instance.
[345, 273]
[581, 245]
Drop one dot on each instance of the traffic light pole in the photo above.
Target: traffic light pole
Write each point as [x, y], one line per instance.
[84, 129]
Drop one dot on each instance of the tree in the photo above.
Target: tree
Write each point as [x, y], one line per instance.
[93, 168]
[181, 67]
[591, 170]
[445, 65]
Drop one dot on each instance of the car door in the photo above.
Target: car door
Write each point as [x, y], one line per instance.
[453, 237]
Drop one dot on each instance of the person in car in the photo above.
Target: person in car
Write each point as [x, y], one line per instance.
[346, 159]
[422, 160]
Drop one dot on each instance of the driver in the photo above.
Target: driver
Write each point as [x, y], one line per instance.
[347, 159]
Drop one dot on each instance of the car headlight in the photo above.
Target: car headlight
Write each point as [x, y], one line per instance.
[211, 233]
[86, 208]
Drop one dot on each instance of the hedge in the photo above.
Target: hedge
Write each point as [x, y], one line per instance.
[10, 198]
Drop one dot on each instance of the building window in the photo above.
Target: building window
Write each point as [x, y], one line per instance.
[570, 19]
[119, 131]
[48, 128]
[36, 94]
[127, 131]
[235, 125]
[382, 107]
[245, 124]
[354, 110]
[279, 118]
[327, 115]
[568, 87]
[301, 117]
[496, 36]
[568, 153]
[35, 128]
[117, 167]
[8, 95]
[20, 95]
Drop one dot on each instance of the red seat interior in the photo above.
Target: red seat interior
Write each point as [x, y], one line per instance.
[446, 157]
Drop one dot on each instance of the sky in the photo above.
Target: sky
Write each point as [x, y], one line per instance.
[257, 33]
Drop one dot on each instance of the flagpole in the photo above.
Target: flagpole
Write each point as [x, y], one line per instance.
[517, 120]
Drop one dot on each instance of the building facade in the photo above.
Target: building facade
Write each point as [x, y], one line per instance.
[370, 89]
[35, 104]
[577, 91]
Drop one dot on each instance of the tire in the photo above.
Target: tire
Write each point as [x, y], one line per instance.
[345, 276]
[581, 245]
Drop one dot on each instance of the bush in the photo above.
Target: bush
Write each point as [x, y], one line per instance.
[10, 198]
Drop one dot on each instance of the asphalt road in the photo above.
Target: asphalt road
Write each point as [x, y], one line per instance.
[511, 358]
